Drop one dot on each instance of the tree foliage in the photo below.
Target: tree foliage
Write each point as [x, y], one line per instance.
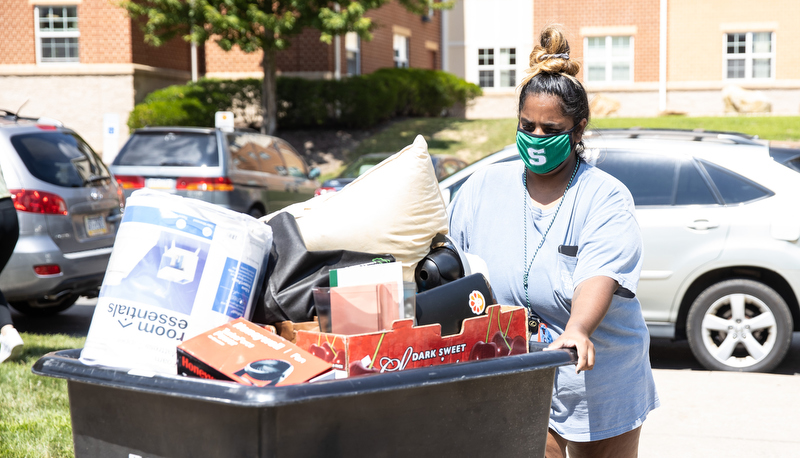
[254, 25]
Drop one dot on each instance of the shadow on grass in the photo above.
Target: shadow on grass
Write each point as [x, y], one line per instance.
[31, 353]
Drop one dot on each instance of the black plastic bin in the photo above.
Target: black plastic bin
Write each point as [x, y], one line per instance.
[491, 407]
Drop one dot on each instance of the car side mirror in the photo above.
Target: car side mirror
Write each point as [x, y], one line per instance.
[314, 172]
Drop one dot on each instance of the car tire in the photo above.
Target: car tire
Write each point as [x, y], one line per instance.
[739, 325]
[43, 308]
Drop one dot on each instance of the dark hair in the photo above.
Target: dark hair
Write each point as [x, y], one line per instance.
[551, 72]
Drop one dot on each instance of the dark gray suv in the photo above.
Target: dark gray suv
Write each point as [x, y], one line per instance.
[68, 205]
[244, 171]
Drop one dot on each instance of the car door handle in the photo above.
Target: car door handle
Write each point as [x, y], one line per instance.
[702, 225]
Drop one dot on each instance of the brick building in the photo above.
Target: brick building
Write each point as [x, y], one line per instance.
[651, 56]
[399, 39]
[84, 61]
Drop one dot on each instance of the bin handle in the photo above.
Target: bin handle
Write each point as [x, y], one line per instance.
[540, 346]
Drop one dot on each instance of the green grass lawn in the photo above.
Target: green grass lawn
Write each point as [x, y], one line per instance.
[34, 410]
[471, 140]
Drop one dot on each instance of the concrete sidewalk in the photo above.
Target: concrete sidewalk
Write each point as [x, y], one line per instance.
[723, 414]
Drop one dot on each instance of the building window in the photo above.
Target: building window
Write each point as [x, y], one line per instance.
[497, 67]
[749, 55]
[609, 59]
[352, 50]
[57, 33]
[401, 45]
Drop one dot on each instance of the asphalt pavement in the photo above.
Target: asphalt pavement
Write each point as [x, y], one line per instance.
[702, 413]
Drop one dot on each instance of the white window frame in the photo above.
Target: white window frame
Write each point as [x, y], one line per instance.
[39, 34]
[496, 68]
[352, 43]
[401, 59]
[608, 60]
[748, 56]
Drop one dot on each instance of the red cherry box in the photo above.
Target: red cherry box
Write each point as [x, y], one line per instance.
[244, 352]
[502, 331]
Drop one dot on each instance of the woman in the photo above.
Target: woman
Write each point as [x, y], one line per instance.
[559, 236]
[10, 341]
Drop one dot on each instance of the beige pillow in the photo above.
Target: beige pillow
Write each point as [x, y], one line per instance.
[394, 208]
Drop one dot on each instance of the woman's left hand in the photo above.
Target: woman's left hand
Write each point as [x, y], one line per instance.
[590, 303]
[580, 342]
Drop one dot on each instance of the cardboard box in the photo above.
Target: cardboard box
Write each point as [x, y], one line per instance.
[244, 352]
[502, 331]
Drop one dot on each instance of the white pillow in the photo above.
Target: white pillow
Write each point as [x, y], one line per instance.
[395, 207]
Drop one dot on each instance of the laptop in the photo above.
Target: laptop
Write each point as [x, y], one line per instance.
[450, 304]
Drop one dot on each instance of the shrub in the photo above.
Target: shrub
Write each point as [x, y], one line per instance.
[360, 101]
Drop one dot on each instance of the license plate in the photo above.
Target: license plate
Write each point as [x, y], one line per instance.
[95, 225]
[160, 183]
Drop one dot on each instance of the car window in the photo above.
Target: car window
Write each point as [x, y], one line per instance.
[449, 167]
[60, 158]
[734, 188]
[692, 188]
[188, 149]
[793, 164]
[650, 179]
[271, 161]
[294, 163]
[244, 152]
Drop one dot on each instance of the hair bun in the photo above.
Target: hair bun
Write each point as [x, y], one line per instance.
[552, 54]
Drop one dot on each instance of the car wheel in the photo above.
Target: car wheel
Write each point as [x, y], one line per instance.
[43, 307]
[739, 325]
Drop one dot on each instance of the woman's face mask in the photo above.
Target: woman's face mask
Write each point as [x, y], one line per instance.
[543, 153]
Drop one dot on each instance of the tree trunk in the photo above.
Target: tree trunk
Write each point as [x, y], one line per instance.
[269, 93]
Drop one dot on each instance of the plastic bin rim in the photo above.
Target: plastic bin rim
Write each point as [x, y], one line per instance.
[65, 364]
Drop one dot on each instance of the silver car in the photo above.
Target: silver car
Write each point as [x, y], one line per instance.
[244, 171]
[721, 231]
[68, 205]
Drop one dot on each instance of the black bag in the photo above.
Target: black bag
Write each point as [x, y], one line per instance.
[292, 271]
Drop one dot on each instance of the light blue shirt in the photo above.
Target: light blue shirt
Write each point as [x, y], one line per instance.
[597, 216]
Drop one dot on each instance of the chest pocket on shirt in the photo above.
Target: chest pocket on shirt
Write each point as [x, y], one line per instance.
[566, 269]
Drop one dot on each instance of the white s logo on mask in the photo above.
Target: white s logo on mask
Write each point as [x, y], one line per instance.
[537, 156]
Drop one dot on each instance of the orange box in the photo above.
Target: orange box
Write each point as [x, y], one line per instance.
[502, 331]
[244, 352]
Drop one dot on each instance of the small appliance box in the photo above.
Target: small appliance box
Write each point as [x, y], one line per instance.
[502, 331]
[244, 352]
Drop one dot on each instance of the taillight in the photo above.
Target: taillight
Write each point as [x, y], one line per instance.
[26, 200]
[204, 184]
[130, 181]
[47, 269]
[120, 196]
[321, 191]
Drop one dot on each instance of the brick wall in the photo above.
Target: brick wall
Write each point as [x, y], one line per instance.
[16, 27]
[175, 54]
[575, 14]
[308, 54]
[233, 61]
[105, 33]
[379, 52]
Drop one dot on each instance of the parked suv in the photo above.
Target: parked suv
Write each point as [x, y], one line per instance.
[721, 232]
[68, 206]
[244, 171]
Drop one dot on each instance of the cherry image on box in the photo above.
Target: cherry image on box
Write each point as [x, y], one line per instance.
[246, 353]
[502, 331]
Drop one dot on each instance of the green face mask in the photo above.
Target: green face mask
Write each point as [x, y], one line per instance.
[543, 153]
